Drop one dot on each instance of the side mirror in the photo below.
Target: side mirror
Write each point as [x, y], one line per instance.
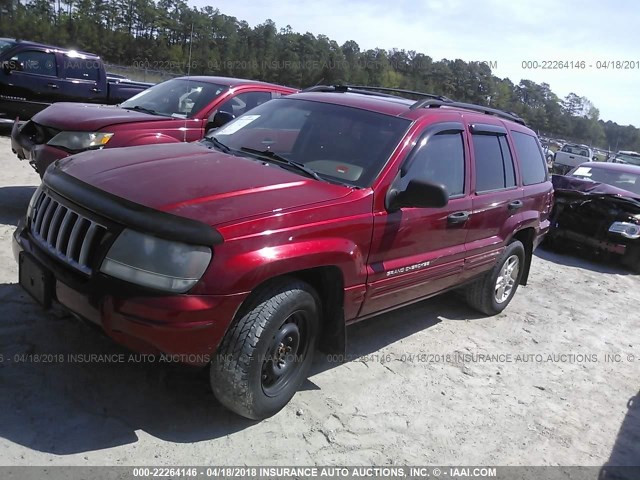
[419, 194]
[219, 119]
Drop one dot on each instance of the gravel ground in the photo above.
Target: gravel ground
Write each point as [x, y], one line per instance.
[434, 383]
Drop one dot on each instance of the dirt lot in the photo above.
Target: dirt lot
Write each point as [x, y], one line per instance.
[547, 397]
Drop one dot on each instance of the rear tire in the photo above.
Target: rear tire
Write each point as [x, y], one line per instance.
[491, 293]
[267, 351]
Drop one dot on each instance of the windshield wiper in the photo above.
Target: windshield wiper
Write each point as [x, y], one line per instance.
[285, 161]
[218, 144]
[139, 108]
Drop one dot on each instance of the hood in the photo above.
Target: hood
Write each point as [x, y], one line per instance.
[192, 181]
[89, 117]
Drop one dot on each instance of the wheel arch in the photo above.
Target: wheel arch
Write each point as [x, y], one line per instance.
[328, 283]
[526, 236]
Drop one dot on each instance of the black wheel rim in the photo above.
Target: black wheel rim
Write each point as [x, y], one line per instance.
[286, 353]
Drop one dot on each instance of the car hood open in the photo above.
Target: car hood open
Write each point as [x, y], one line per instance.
[196, 182]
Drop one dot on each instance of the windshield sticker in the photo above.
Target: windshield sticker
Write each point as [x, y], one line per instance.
[583, 171]
[238, 124]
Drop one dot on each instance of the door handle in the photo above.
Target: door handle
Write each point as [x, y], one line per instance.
[96, 90]
[52, 85]
[458, 217]
[516, 204]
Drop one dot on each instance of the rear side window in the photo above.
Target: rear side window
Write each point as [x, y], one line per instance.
[441, 160]
[81, 68]
[494, 163]
[532, 164]
[509, 171]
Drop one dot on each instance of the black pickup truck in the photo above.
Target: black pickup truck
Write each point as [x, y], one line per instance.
[33, 76]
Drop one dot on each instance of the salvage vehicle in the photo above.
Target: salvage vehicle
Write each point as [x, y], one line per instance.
[570, 156]
[33, 76]
[248, 250]
[597, 209]
[177, 110]
[626, 156]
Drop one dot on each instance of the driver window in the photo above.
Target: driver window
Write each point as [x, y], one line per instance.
[37, 62]
[440, 159]
[244, 102]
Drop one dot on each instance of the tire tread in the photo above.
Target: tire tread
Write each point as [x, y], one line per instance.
[479, 294]
[230, 370]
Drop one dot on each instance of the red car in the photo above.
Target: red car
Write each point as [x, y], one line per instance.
[178, 110]
[597, 209]
[251, 248]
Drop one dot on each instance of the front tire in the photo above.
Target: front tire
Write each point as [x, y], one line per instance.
[492, 293]
[266, 354]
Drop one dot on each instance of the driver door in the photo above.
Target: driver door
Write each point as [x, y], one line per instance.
[417, 252]
[35, 85]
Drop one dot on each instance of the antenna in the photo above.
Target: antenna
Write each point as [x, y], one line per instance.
[184, 137]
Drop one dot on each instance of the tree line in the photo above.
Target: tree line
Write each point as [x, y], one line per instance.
[170, 35]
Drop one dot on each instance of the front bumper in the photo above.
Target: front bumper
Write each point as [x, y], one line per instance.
[40, 156]
[611, 244]
[188, 328]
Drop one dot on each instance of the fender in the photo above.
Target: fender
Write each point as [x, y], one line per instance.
[527, 230]
[529, 218]
[246, 271]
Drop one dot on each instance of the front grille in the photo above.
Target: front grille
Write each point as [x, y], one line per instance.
[64, 233]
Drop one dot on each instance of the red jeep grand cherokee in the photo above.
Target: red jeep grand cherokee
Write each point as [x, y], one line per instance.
[251, 248]
[178, 110]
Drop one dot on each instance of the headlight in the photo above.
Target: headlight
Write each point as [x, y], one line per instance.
[153, 262]
[626, 229]
[80, 140]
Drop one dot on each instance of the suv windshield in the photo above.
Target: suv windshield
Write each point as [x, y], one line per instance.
[345, 144]
[625, 180]
[180, 98]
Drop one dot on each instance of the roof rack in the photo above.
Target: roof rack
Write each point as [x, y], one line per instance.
[442, 98]
[377, 91]
[427, 103]
[344, 89]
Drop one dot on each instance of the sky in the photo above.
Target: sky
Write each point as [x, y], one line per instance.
[501, 31]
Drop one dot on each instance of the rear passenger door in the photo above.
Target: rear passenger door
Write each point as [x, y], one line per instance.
[538, 190]
[497, 199]
[82, 80]
[416, 252]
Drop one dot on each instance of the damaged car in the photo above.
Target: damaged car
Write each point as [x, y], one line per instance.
[597, 209]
